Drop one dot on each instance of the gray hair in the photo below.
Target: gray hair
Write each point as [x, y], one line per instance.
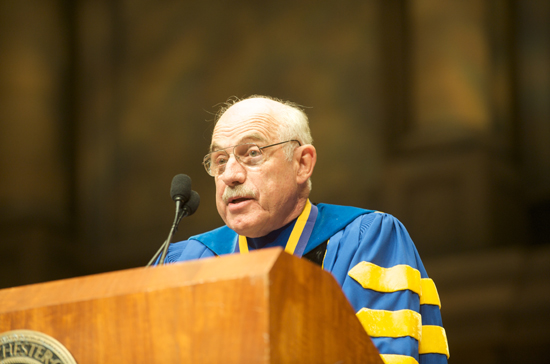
[293, 122]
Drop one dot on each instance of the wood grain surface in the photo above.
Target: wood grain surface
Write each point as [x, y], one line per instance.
[264, 307]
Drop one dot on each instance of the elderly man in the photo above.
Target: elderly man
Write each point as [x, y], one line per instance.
[261, 158]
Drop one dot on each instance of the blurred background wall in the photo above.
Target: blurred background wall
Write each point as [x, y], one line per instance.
[435, 111]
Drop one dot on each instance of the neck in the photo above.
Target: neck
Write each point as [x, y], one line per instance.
[294, 236]
[299, 207]
[288, 218]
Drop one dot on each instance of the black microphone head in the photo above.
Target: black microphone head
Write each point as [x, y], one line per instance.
[193, 204]
[181, 188]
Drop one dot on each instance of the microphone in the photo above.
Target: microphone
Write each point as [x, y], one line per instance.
[187, 202]
[181, 188]
[189, 208]
[192, 205]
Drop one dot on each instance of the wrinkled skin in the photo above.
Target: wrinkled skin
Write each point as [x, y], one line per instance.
[267, 196]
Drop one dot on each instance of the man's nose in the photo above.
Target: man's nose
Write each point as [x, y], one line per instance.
[234, 172]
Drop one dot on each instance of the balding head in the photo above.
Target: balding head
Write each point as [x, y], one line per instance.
[288, 119]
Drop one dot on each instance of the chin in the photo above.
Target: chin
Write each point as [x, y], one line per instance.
[246, 229]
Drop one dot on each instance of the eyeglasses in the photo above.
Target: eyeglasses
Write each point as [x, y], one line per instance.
[248, 154]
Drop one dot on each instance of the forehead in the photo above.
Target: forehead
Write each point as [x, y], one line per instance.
[249, 120]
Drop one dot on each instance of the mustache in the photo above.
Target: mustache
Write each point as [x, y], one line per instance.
[237, 191]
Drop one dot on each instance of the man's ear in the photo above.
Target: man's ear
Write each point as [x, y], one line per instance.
[306, 162]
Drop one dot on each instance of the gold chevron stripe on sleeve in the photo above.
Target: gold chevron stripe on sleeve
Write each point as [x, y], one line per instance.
[382, 323]
[398, 359]
[434, 340]
[396, 278]
[429, 294]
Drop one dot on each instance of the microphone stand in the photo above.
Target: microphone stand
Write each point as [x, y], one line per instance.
[173, 230]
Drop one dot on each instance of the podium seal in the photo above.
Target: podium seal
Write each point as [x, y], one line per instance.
[32, 347]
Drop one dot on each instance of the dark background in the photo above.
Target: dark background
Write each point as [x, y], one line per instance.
[435, 111]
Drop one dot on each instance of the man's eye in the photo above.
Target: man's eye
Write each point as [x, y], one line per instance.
[254, 153]
[220, 160]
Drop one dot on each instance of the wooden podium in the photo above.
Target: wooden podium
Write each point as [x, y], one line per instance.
[262, 307]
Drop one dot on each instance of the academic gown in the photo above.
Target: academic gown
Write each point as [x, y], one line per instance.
[378, 267]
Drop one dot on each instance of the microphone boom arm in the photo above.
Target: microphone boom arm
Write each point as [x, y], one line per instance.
[164, 247]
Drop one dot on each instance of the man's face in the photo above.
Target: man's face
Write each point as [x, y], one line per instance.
[264, 197]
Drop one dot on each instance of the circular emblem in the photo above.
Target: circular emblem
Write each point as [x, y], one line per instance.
[32, 347]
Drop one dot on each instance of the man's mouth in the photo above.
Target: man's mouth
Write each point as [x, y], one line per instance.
[237, 200]
[238, 196]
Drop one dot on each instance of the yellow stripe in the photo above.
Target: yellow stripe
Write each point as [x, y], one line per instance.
[434, 340]
[429, 294]
[298, 229]
[396, 278]
[243, 244]
[382, 323]
[398, 359]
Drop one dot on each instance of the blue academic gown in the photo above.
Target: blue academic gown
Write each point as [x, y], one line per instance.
[378, 267]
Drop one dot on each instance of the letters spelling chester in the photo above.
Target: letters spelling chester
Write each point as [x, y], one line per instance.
[29, 350]
[26, 346]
